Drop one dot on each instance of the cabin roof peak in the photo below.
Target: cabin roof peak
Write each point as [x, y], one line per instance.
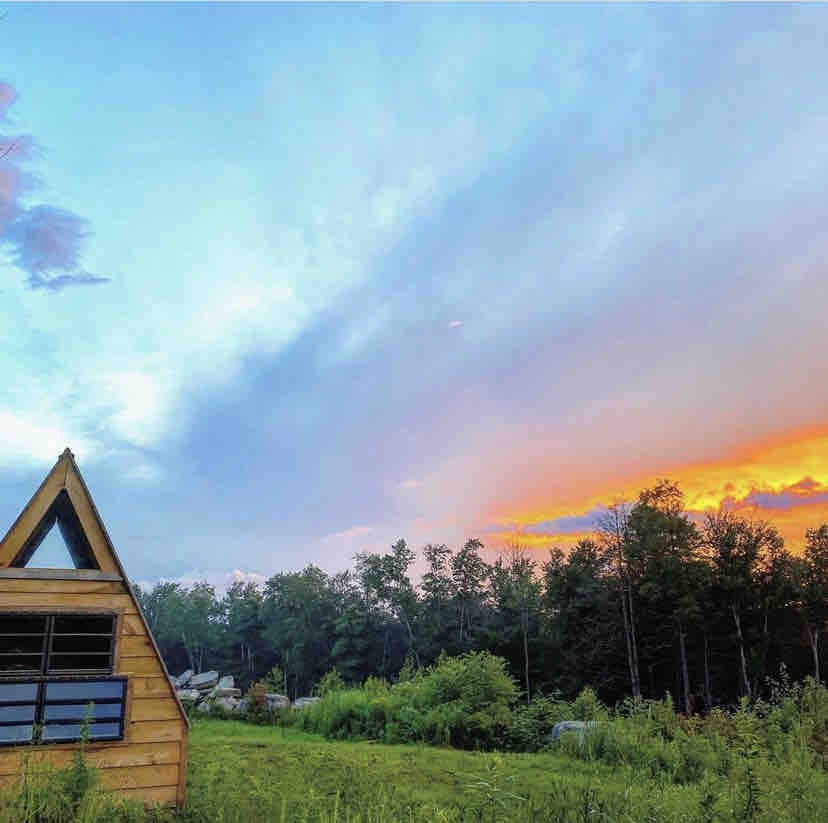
[63, 501]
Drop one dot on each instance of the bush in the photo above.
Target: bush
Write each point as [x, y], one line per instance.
[256, 709]
[532, 724]
[330, 683]
[274, 681]
[587, 706]
[462, 701]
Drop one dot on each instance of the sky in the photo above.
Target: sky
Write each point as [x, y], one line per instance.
[294, 281]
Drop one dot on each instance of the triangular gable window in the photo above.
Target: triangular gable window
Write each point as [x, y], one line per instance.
[58, 542]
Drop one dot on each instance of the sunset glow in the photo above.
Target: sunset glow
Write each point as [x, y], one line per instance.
[783, 480]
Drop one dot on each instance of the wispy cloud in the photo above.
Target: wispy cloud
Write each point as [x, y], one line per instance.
[25, 439]
[220, 581]
[570, 524]
[7, 96]
[806, 492]
[45, 242]
[349, 534]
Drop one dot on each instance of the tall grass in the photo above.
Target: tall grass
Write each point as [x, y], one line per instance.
[641, 761]
[241, 773]
[44, 794]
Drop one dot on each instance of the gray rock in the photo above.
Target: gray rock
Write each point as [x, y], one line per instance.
[183, 679]
[226, 692]
[277, 701]
[226, 682]
[189, 695]
[580, 728]
[301, 702]
[229, 704]
[206, 680]
[204, 706]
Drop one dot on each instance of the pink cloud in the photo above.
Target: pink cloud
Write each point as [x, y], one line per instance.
[7, 96]
[411, 483]
[45, 242]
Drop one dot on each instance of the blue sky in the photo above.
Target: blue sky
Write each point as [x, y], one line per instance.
[292, 281]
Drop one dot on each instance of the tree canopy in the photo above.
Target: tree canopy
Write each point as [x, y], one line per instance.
[658, 601]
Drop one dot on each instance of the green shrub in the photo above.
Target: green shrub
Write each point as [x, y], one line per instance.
[532, 724]
[462, 701]
[256, 708]
[274, 680]
[330, 683]
[587, 706]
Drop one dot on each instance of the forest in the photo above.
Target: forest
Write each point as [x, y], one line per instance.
[708, 609]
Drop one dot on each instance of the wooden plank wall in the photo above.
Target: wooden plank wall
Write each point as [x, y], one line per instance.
[151, 762]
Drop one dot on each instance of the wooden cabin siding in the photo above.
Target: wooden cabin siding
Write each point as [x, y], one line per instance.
[150, 762]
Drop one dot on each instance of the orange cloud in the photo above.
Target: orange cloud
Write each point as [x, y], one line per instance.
[783, 479]
[530, 540]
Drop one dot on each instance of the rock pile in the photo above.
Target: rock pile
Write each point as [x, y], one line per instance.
[208, 689]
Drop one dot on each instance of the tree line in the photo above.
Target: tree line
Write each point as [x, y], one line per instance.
[656, 601]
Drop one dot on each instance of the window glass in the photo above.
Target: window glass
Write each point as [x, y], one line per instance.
[22, 624]
[16, 734]
[40, 644]
[89, 690]
[78, 662]
[61, 709]
[49, 710]
[20, 663]
[72, 731]
[14, 692]
[17, 714]
[80, 711]
[83, 624]
[81, 643]
[21, 643]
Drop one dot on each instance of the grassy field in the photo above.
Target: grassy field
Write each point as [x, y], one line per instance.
[242, 773]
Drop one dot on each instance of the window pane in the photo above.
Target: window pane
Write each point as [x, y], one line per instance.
[11, 692]
[17, 714]
[72, 731]
[90, 690]
[16, 734]
[81, 644]
[22, 624]
[78, 662]
[79, 711]
[21, 643]
[99, 731]
[83, 624]
[20, 663]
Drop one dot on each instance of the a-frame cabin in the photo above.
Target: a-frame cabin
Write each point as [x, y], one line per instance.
[74, 636]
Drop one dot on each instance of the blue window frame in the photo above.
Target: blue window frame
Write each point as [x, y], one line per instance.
[56, 678]
[55, 711]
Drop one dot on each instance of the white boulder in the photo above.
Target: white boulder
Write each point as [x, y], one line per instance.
[206, 680]
[183, 679]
